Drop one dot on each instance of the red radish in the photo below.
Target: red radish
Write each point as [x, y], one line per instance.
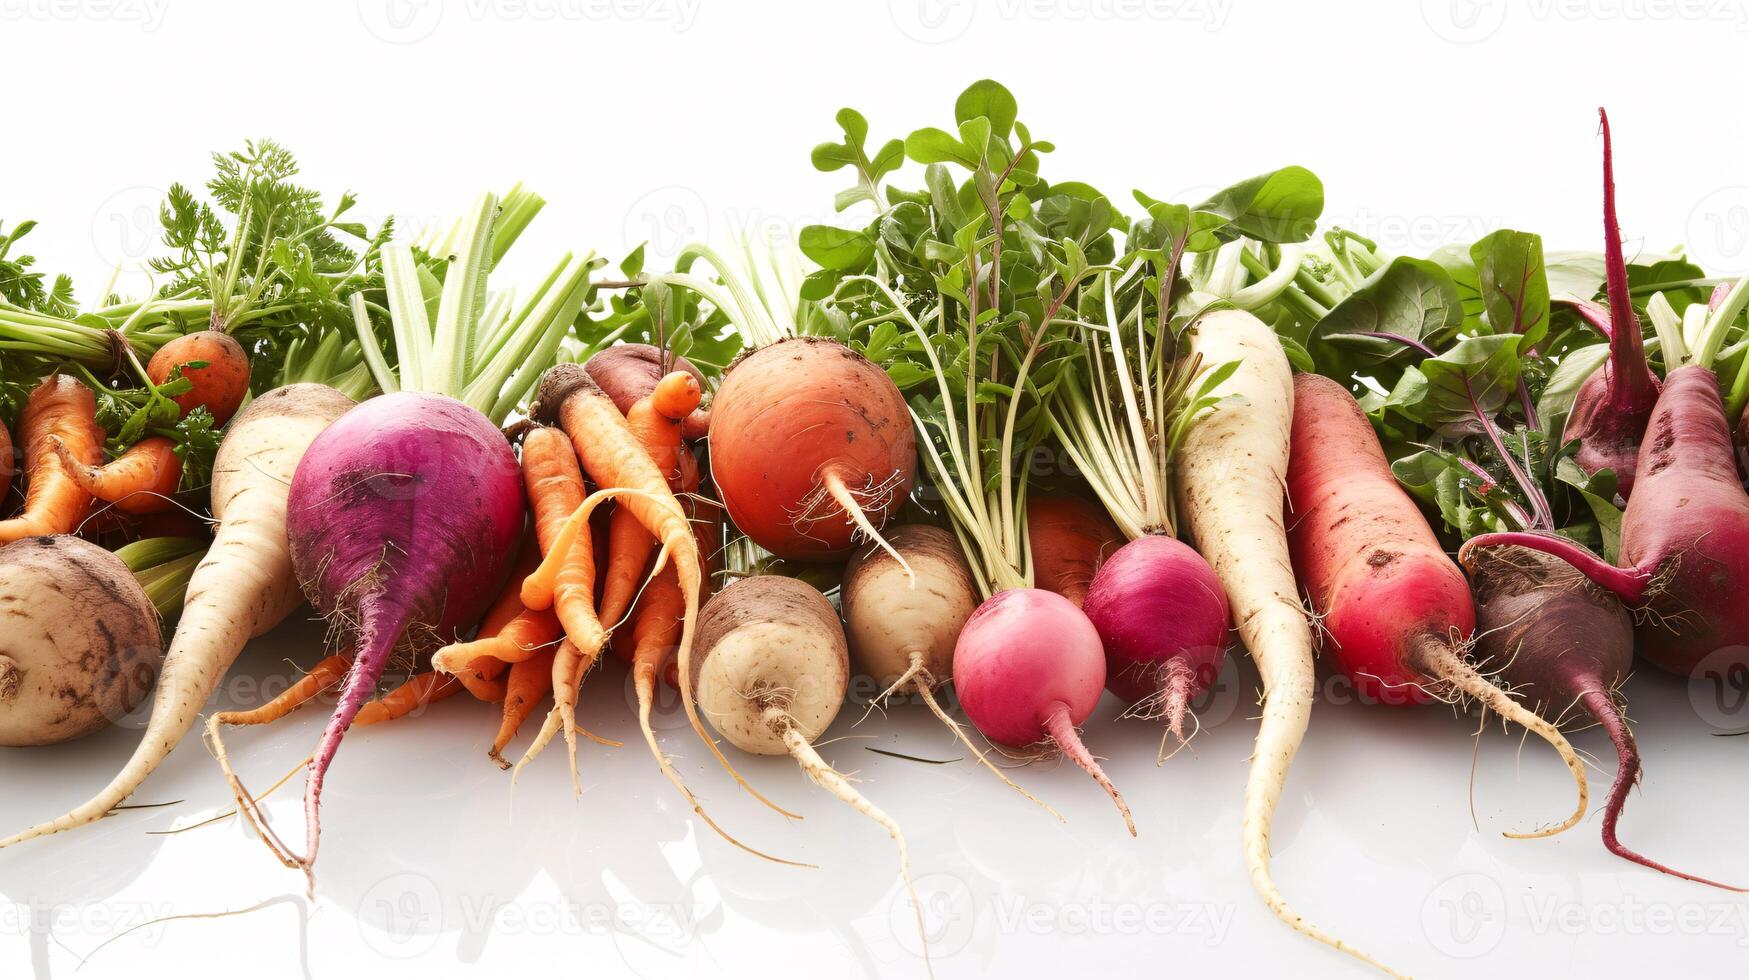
[1684, 535]
[628, 372]
[1396, 611]
[404, 518]
[1563, 643]
[1612, 407]
[1029, 668]
[1070, 537]
[902, 621]
[1162, 616]
[810, 442]
[220, 382]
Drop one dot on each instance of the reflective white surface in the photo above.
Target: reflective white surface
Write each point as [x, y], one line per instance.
[434, 865]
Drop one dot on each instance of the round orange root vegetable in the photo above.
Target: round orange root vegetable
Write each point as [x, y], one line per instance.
[810, 443]
[219, 384]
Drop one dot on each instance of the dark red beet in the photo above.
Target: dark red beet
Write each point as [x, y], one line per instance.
[1612, 407]
[1684, 536]
[1561, 641]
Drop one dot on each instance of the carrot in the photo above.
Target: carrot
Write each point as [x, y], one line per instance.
[139, 481]
[320, 678]
[60, 407]
[555, 490]
[415, 694]
[1070, 538]
[476, 664]
[5, 465]
[529, 681]
[656, 422]
[1396, 611]
[220, 381]
[611, 455]
[524, 637]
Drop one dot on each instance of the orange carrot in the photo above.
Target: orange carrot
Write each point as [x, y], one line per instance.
[415, 694]
[5, 465]
[59, 407]
[220, 383]
[610, 453]
[476, 664]
[139, 481]
[655, 420]
[529, 682]
[530, 633]
[320, 678]
[555, 491]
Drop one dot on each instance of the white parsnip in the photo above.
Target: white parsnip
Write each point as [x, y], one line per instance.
[241, 589]
[1231, 480]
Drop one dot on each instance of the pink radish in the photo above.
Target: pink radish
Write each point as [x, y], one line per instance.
[1029, 668]
[1161, 613]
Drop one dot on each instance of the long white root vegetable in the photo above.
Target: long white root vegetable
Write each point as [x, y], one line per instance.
[241, 589]
[1231, 480]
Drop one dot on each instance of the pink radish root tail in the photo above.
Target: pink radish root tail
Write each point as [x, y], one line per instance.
[1062, 732]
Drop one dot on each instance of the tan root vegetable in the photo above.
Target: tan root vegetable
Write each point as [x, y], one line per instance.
[80, 644]
[242, 588]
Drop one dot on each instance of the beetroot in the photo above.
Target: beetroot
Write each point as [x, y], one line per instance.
[1684, 536]
[1563, 643]
[403, 519]
[1612, 407]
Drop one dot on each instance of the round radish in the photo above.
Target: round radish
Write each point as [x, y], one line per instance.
[1029, 668]
[1162, 616]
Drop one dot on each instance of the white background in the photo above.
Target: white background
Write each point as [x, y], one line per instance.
[671, 120]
